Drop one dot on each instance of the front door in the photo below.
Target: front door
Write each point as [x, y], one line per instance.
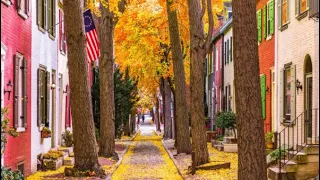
[308, 108]
[53, 105]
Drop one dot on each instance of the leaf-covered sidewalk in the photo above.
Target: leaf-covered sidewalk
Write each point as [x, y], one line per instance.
[146, 159]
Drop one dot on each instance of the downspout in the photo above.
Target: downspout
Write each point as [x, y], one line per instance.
[275, 104]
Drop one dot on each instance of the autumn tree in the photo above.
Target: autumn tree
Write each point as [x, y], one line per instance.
[251, 142]
[199, 47]
[181, 115]
[108, 21]
[85, 151]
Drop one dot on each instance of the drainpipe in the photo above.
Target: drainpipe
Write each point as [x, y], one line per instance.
[276, 73]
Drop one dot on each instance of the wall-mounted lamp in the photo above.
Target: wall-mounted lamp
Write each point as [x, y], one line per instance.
[53, 86]
[9, 88]
[298, 86]
[64, 91]
[267, 89]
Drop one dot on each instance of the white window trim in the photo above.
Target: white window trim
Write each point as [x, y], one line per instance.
[7, 2]
[3, 55]
[267, 24]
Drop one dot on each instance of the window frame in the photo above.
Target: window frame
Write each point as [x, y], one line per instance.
[283, 25]
[286, 95]
[7, 2]
[23, 8]
[44, 122]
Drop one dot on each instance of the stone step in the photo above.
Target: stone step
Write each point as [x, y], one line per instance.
[308, 167]
[289, 166]
[274, 173]
[298, 157]
[68, 150]
[308, 149]
[69, 161]
[71, 154]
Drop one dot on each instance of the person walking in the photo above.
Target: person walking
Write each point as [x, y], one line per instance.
[142, 118]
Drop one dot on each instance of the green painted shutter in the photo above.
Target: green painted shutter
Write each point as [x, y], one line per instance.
[259, 25]
[271, 16]
[25, 93]
[293, 92]
[16, 91]
[265, 21]
[263, 94]
[281, 103]
[48, 97]
[39, 97]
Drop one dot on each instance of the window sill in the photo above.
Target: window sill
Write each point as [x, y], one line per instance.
[22, 14]
[42, 29]
[6, 2]
[284, 27]
[21, 129]
[51, 36]
[287, 124]
[302, 15]
[269, 37]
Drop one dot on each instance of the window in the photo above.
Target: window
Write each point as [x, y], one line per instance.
[52, 18]
[20, 92]
[221, 57]
[21, 168]
[46, 11]
[283, 13]
[229, 98]
[6, 2]
[228, 52]
[301, 7]
[268, 19]
[225, 52]
[23, 8]
[43, 96]
[231, 52]
[287, 93]
[62, 35]
[3, 53]
[216, 58]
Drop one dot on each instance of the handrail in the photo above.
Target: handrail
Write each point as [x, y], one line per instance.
[307, 120]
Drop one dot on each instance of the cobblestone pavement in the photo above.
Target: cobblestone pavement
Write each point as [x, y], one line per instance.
[146, 158]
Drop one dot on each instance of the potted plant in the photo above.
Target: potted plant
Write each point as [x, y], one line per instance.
[46, 132]
[269, 143]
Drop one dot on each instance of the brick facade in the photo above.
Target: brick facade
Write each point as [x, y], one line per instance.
[16, 36]
[294, 43]
[266, 61]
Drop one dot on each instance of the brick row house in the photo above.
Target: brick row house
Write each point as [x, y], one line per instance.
[34, 79]
[16, 68]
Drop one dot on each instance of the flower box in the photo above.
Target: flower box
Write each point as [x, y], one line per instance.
[45, 134]
[51, 164]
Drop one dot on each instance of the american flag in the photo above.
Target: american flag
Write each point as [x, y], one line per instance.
[93, 46]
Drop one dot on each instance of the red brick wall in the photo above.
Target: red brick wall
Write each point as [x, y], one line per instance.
[266, 60]
[16, 36]
[218, 74]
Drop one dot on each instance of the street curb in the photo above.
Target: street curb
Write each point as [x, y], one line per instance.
[118, 163]
[172, 158]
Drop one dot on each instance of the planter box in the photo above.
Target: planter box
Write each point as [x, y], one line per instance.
[51, 164]
[230, 148]
[45, 134]
[211, 135]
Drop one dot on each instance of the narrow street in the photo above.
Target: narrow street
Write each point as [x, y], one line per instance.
[146, 158]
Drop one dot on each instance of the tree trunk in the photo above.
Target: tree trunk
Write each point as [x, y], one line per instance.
[133, 121]
[251, 142]
[158, 116]
[85, 149]
[107, 116]
[127, 127]
[183, 143]
[166, 109]
[199, 46]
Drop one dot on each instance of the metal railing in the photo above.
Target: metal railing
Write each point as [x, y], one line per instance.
[297, 134]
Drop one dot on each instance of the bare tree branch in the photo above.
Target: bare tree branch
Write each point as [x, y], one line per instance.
[211, 23]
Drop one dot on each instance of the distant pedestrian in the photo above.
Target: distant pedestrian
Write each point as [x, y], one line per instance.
[142, 118]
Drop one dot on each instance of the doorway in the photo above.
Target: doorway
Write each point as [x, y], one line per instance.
[272, 99]
[308, 99]
[53, 105]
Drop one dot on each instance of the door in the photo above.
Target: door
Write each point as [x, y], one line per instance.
[308, 105]
[53, 105]
[272, 100]
[60, 104]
